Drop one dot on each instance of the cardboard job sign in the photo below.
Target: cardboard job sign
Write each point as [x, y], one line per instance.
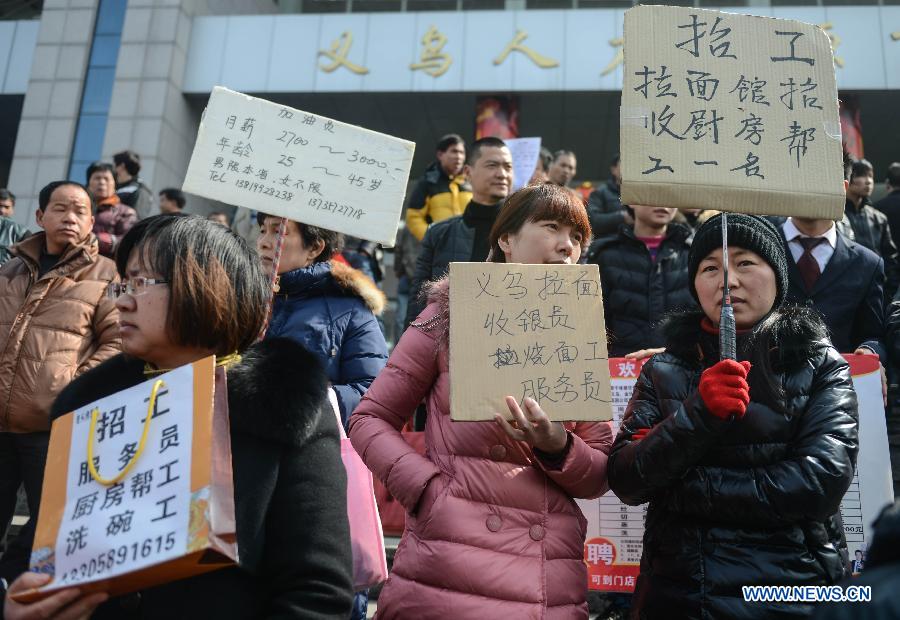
[729, 112]
[257, 154]
[527, 331]
[138, 488]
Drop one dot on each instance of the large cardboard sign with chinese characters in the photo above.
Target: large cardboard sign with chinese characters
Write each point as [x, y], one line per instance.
[615, 532]
[729, 112]
[527, 331]
[156, 496]
[257, 154]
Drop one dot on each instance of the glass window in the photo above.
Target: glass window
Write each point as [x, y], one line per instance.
[604, 4]
[88, 141]
[324, 6]
[375, 6]
[110, 16]
[431, 5]
[98, 90]
[483, 5]
[105, 50]
[549, 4]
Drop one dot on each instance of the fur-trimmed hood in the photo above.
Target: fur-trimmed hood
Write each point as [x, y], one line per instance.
[333, 278]
[277, 391]
[437, 291]
[794, 334]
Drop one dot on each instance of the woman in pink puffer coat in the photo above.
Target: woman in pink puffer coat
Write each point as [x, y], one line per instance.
[492, 531]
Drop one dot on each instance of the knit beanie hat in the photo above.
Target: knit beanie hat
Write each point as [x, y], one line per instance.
[749, 232]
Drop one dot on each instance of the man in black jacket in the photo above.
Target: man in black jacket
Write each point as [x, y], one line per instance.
[464, 238]
[870, 226]
[605, 205]
[643, 271]
[130, 189]
[890, 204]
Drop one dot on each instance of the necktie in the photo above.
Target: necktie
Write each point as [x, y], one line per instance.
[808, 265]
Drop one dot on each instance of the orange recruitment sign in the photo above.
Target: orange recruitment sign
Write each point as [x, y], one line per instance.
[138, 487]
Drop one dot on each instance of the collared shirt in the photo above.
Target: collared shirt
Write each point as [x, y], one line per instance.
[822, 252]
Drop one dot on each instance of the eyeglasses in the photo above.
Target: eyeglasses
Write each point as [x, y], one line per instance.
[132, 286]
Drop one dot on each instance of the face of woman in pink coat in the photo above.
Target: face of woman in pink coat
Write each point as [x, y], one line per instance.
[542, 242]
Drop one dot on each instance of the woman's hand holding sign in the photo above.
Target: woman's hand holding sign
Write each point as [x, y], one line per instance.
[533, 426]
[67, 604]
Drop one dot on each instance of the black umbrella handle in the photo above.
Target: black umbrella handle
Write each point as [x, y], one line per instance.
[727, 327]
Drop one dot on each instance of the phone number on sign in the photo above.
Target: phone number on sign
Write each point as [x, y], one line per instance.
[339, 209]
[108, 560]
[263, 189]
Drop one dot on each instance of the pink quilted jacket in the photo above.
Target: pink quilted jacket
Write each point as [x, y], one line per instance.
[492, 533]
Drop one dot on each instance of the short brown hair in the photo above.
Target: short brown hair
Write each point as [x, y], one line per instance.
[536, 203]
[219, 294]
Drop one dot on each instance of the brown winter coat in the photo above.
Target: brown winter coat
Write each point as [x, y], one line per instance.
[52, 328]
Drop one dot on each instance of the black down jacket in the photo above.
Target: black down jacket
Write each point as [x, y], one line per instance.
[753, 501]
[638, 292]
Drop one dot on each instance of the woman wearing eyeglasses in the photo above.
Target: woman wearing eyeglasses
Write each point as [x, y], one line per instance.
[191, 288]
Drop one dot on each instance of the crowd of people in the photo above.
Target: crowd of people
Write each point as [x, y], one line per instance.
[743, 463]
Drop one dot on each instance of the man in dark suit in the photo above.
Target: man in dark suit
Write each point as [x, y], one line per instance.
[842, 280]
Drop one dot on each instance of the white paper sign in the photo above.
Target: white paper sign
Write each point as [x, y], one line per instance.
[103, 533]
[257, 154]
[525, 153]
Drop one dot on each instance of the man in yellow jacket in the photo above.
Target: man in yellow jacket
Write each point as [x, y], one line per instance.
[442, 191]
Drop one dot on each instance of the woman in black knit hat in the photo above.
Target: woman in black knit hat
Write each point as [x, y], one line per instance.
[744, 463]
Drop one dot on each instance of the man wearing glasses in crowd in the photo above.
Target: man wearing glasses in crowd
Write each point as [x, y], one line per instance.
[56, 322]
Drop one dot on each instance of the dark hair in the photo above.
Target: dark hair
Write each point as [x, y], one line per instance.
[219, 293]
[860, 168]
[334, 241]
[545, 157]
[474, 153]
[100, 166]
[47, 191]
[5, 194]
[451, 139]
[893, 175]
[129, 159]
[615, 160]
[535, 203]
[562, 153]
[175, 195]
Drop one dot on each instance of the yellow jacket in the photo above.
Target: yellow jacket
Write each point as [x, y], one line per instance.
[435, 197]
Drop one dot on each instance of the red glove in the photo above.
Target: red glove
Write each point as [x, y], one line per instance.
[640, 434]
[724, 389]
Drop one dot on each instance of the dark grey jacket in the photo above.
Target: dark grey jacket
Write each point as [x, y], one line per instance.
[872, 230]
[446, 242]
[10, 234]
[605, 209]
[638, 292]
